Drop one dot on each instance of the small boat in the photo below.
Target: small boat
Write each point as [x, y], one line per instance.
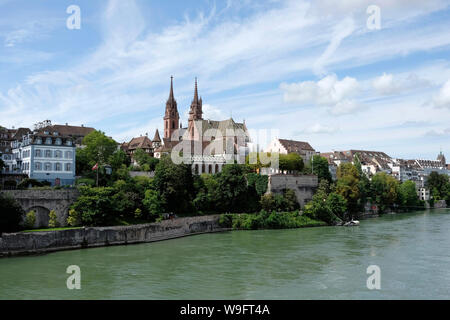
[352, 223]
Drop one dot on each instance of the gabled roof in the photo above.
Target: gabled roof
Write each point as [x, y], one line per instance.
[221, 126]
[140, 143]
[66, 130]
[295, 146]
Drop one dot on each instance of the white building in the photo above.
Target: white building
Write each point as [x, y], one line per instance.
[45, 156]
[284, 146]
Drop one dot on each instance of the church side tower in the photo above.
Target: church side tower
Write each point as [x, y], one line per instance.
[195, 113]
[196, 106]
[171, 117]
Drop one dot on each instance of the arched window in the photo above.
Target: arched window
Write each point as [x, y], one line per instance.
[68, 167]
[210, 168]
[217, 168]
[48, 153]
[57, 166]
[38, 166]
[48, 141]
[58, 154]
[58, 141]
[203, 168]
[48, 166]
[196, 169]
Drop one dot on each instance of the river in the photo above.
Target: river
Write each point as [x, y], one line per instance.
[412, 251]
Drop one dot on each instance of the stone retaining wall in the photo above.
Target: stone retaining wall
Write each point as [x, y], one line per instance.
[48, 241]
[304, 185]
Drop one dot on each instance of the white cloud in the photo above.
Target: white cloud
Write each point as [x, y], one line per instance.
[442, 98]
[329, 91]
[388, 84]
[341, 31]
[320, 129]
[212, 112]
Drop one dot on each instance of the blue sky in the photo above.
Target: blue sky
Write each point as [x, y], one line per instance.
[312, 71]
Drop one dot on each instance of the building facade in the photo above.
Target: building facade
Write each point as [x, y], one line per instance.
[45, 156]
[284, 146]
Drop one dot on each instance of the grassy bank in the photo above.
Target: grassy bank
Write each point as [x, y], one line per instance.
[267, 220]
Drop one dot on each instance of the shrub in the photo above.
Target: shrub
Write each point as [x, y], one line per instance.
[137, 213]
[10, 214]
[85, 182]
[27, 183]
[53, 220]
[74, 218]
[226, 220]
[30, 219]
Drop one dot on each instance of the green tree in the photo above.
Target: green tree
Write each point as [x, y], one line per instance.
[364, 184]
[141, 157]
[408, 198]
[338, 205]
[385, 190]
[291, 162]
[118, 159]
[175, 184]
[438, 185]
[319, 208]
[347, 186]
[152, 203]
[320, 167]
[11, 214]
[98, 148]
[232, 184]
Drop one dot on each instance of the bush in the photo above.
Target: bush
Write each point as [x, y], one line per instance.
[265, 220]
[137, 213]
[31, 183]
[85, 182]
[226, 220]
[276, 202]
[30, 219]
[53, 220]
[74, 218]
[11, 214]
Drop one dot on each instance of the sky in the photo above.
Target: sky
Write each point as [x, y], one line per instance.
[318, 71]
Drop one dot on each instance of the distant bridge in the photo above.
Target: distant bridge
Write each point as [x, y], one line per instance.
[43, 201]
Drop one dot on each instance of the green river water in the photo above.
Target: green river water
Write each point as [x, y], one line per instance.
[411, 249]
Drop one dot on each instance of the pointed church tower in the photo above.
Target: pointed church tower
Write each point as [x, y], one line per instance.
[171, 118]
[156, 142]
[196, 106]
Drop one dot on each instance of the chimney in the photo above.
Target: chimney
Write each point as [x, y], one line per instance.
[82, 125]
[67, 124]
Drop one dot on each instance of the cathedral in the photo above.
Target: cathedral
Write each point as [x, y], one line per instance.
[207, 145]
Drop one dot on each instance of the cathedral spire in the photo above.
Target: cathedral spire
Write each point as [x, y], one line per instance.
[171, 118]
[171, 97]
[196, 91]
[196, 106]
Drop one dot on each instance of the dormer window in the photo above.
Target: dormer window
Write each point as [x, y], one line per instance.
[58, 141]
[55, 133]
[48, 141]
[46, 132]
[38, 141]
[69, 142]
